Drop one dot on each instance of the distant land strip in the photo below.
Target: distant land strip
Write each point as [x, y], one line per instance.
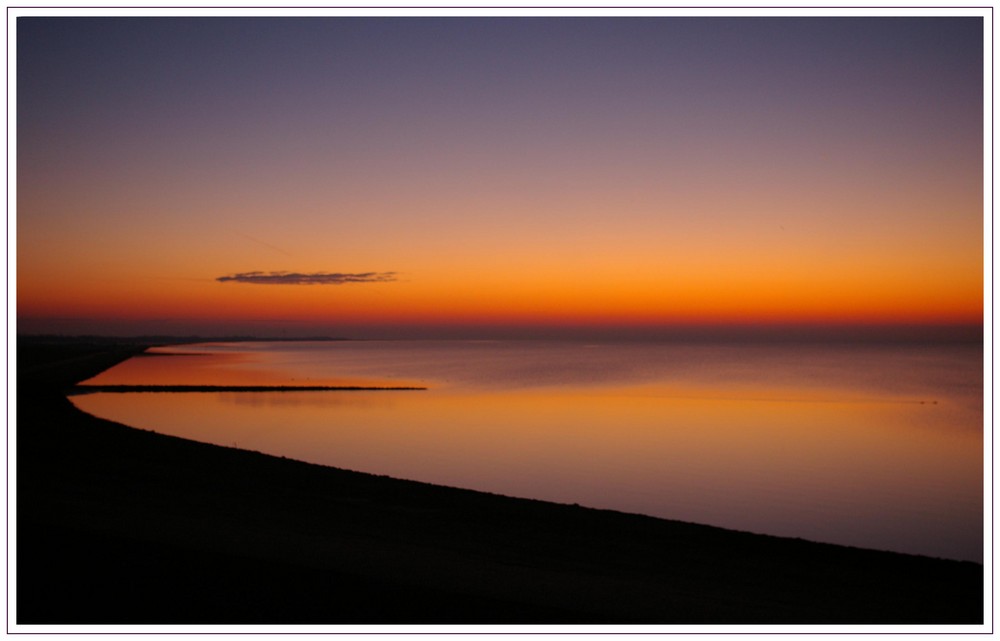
[236, 388]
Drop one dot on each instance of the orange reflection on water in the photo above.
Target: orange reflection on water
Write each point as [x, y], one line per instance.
[169, 367]
[894, 475]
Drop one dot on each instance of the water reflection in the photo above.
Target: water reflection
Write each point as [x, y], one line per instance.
[203, 365]
[823, 457]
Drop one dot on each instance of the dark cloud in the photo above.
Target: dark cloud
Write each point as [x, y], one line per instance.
[316, 278]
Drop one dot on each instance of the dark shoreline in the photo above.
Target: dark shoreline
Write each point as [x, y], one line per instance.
[125, 389]
[120, 525]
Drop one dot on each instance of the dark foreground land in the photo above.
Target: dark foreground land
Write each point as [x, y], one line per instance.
[119, 525]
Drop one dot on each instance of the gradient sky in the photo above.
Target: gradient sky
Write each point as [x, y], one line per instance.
[339, 174]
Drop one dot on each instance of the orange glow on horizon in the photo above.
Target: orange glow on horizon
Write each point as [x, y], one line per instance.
[821, 294]
[622, 189]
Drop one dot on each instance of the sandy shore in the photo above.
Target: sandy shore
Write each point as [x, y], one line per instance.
[120, 525]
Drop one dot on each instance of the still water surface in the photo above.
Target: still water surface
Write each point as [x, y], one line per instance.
[870, 445]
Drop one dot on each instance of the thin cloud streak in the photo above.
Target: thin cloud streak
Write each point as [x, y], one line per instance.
[315, 278]
[262, 243]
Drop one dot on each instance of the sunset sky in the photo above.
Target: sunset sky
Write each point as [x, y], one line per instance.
[392, 176]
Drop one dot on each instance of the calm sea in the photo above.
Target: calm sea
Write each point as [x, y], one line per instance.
[877, 446]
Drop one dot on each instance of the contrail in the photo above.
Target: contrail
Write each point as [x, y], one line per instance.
[261, 242]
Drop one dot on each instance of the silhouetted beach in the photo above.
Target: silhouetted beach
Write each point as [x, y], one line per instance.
[121, 525]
